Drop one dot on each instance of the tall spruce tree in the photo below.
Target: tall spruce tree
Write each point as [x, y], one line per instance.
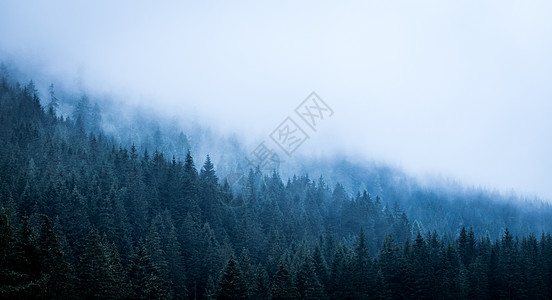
[56, 275]
[283, 287]
[96, 279]
[232, 284]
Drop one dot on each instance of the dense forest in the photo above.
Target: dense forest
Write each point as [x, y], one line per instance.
[84, 217]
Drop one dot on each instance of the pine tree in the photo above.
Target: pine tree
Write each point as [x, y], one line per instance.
[338, 275]
[362, 277]
[283, 287]
[419, 263]
[96, 279]
[207, 174]
[248, 272]
[388, 262]
[478, 280]
[25, 259]
[320, 267]
[174, 258]
[188, 202]
[510, 268]
[307, 281]
[120, 278]
[54, 102]
[209, 200]
[76, 224]
[56, 278]
[147, 283]
[232, 284]
[493, 273]
[8, 276]
[381, 291]
[466, 246]
[158, 255]
[106, 218]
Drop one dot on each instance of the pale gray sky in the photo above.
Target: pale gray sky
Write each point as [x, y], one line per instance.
[460, 88]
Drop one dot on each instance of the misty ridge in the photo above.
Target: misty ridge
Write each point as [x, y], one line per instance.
[452, 203]
[101, 205]
[275, 150]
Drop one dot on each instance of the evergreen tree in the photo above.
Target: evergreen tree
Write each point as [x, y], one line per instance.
[9, 277]
[478, 280]
[232, 284]
[362, 277]
[96, 279]
[157, 255]
[388, 262]
[381, 290]
[283, 287]
[147, 283]
[56, 278]
[320, 267]
[466, 246]
[307, 281]
[338, 286]
[54, 102]
[119, 275]
[510, 268]
[76, 224]
[419, 263]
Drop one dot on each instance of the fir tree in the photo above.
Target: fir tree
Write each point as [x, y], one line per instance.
[96, 279]
[232, 284]
[283, 286]
[307, 281]
[56, 278]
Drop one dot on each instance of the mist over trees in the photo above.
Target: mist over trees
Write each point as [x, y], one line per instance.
[85, 215]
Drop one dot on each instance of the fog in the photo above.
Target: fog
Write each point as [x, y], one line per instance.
[460, 89]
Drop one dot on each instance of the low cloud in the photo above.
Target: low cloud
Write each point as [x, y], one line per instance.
[460, 89]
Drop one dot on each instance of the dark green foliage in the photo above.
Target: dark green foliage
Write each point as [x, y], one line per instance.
[232, 284]
[146, 276]
[419, 264]
[362, 273]
[96, 279]
[139, 226]
[307, 281]
[56, 278]
[283, 286]
[389, 262]
[339, 275]
[13, 283]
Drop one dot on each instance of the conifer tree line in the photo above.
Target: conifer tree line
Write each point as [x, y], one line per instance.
[84, 218]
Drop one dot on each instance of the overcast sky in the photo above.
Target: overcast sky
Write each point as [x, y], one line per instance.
[459, 88]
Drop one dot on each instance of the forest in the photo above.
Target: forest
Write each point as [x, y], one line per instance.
[86, 217]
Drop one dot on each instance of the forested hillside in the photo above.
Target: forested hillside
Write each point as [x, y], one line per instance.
[438, 204]
[84, 217]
